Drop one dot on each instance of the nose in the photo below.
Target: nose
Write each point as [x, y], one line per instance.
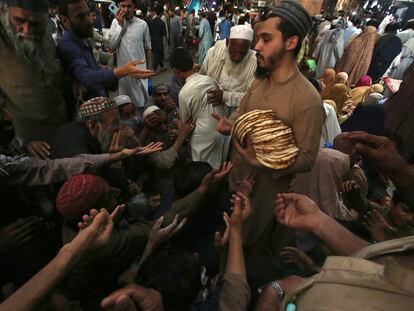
[25, 28]
[258, 46]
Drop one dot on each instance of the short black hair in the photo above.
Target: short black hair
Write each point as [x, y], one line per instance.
[173, 272]
[63, 6]
[373, 22]
[181, 59]
[288, 31]
[158, 9]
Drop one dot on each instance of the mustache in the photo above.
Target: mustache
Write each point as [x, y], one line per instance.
[21, 35]
[258, 55]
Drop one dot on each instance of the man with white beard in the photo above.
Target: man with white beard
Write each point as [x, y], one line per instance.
[31, 75]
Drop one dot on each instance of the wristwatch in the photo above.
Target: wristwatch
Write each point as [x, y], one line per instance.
[276, 286]
[279, 290]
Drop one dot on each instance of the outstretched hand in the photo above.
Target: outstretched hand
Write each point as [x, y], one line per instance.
[95, 232]
[159, 235]
[215, 176]
[382, 152]
[222, 126]
[297, 211]
[248, 153]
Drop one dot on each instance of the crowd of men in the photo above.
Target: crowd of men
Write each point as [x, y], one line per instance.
[117, 194]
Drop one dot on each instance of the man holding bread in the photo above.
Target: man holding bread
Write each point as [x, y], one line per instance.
[269, 151]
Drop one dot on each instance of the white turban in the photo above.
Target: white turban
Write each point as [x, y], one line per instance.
[149, 110]
[122, 100]
[241, 32]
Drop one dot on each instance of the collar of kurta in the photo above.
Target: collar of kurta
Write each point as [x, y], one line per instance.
[191, 77]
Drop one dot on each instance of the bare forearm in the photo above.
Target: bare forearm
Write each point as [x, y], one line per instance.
[235, 257]
[337, 238]
[31, 294]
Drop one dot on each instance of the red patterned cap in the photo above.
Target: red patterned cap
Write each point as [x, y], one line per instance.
[79, 195]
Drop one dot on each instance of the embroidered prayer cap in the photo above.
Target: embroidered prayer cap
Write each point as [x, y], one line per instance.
[40, 6]
[241, 32]
[79, 195]
[149, 110]
[96, 106]
[122, 100]
[295, 14]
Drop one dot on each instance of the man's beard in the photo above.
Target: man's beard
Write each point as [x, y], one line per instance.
[34, 50]
[263, 72]
[104, 138]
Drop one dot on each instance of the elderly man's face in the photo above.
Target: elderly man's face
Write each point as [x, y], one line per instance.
[107, 128]
[238, 49]
[27, 24]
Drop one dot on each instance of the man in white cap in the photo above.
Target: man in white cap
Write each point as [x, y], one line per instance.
[233, 64]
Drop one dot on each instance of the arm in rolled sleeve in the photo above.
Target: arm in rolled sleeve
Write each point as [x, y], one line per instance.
[76, 65]
[35, 172]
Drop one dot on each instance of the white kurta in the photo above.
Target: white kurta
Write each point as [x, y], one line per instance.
[130, 42]
[207, 144]
[234, 79]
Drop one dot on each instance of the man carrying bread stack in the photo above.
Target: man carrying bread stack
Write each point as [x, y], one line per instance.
[276, 129]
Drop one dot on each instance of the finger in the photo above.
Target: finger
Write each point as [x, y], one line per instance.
[168, 229]
[137, 62]
[366, 150]
[118, 139]
[113, 140]
[217, 238]
[118, 211]
[216, 116]
[226, 219]
[42, 151]
[180, 225]
[86, 218]
[366, 138]
[158, 223]
[45, 145]
[124, 303]
[38, 152]
[239, 148]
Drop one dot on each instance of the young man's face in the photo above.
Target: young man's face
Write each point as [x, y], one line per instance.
[270, 47]
[79, 19]
[29, 25]
[128, 7]
[161, 97]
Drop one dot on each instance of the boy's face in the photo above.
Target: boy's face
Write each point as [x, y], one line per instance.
[401, 214]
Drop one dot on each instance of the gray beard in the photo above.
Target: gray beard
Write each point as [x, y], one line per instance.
[36, 52]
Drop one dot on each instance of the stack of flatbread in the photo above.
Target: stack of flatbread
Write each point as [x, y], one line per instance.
[272, 139]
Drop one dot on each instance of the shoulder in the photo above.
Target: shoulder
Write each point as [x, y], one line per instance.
[307, 92]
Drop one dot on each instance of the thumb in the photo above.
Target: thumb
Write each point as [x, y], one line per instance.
[124, 303]
[216, 116]
[137, 62]
[365, 150]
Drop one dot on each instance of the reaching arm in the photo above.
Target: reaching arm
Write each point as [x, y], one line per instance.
[31, 294]
[31, 171]
[299, 212]
[76, 66]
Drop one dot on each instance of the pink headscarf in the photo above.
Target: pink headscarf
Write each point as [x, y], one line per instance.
[364, 81]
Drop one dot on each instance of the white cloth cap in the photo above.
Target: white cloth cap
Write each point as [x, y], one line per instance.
[149, 110]
[241, 32]
[122, 100]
